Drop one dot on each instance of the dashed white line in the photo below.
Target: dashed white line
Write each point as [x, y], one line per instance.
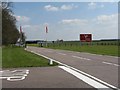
[61, 53]
[81, 57]
[49, 51]
[116, 65]
[87, 59]
[107, 63]
[77, 57]
[101, 55]
[110, 63]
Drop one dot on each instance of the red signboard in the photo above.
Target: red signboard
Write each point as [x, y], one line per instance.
[85, 37]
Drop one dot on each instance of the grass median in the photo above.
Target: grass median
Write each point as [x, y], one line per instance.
[14, 57]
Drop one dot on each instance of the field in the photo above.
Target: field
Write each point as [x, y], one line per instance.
[13, 57]
[96, 47]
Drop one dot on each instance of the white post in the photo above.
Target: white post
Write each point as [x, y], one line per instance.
[51, 62]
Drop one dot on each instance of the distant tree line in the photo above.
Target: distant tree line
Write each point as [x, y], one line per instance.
[10, 34]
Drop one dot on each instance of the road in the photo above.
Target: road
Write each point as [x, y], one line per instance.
[77, 70]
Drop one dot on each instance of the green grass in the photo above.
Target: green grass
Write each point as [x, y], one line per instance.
[96, 49]
[13, 57]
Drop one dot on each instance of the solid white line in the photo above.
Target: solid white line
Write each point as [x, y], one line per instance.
[61, 53]
[77, 71]
[84, 78]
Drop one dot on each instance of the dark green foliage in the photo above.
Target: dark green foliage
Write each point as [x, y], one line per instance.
[10, 34]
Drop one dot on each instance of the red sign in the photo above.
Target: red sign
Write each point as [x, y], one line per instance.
[46, 29]
[85, 37]
[20, 29]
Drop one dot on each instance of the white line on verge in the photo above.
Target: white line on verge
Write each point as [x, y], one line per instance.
[105, 83]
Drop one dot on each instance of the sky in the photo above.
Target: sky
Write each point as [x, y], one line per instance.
[67, 20]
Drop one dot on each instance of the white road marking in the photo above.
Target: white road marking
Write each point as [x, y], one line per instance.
[111, 64]
[103, 82]
[15, 75]
[61, 53]
[49, 51]
[101, 55]
[81, 57]
[107, 63]
[116, 65]
[84, 78]
[112, 56]
[77, 57]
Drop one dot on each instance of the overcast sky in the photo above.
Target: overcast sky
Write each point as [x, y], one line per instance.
[66, 20]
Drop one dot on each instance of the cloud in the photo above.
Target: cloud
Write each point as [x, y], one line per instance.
[102, 6]
[68, 7]
[22, 18]
[74, 21]
[46, 24]
[63, 7]
[51, 8]
[26, 26]
[93, 5]
[107, 19]
[102, 27]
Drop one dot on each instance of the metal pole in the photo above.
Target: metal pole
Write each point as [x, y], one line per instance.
[46, 39]
[46, 28]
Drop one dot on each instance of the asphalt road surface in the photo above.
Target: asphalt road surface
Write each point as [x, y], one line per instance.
[76, 70]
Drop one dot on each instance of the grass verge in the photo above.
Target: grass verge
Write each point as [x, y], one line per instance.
[111, 50]
[95, 49]
[14, 57]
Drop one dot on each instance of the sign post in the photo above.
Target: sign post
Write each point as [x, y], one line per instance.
[21, 35]
[46, 30]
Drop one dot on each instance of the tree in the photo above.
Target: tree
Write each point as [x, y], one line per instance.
[10, 34]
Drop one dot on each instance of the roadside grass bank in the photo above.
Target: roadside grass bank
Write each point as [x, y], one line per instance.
[96, 49]
[14, 57]
[111, 50]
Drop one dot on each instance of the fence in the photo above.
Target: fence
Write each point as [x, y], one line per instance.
[78, 43]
